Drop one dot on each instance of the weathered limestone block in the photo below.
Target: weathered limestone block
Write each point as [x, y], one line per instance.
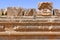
[30, 12]
[1, 11]
[5, 12]
[12, 11]
[47, 14]
[39, 13]
[45, 5]
[45, 8]
[56, 12]
[21, 12]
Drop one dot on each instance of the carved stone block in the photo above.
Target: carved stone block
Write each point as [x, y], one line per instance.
[30, 12]
[45, 8]
[45, 5]
[21, 12]
[56, 12]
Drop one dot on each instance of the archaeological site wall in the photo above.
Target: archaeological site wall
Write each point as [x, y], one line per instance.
[18, 23]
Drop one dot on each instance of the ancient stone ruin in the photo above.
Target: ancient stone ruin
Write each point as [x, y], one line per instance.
[44, 9]
[19, 23]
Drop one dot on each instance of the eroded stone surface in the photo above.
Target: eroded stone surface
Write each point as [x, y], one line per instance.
[45, 8]
[56, 12]
[30, 12]
[45, 5]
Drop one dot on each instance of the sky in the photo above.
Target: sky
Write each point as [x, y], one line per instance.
[27, 3]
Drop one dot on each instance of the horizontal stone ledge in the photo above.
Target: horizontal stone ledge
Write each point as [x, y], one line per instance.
[27, 23]
[31, 23]
[30, 33]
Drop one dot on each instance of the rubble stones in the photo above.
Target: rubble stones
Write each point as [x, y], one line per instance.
[44, 9]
